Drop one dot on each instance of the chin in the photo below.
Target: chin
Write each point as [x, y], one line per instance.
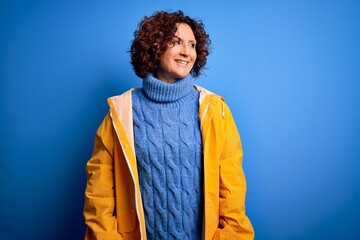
[182, 75]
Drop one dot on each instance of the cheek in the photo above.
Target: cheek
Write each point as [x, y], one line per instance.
[166, 59]
[194, 56]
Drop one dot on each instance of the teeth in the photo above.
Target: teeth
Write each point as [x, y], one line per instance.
[182, 62]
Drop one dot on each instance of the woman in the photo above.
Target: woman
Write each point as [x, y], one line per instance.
[167, 158]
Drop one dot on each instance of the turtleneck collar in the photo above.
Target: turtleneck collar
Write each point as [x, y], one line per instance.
[159, 91]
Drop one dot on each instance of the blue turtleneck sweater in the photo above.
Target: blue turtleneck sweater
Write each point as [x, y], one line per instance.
[169, 157]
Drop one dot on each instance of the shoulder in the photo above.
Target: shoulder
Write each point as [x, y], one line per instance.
[214, 105]
[121, 98]
[208, 95]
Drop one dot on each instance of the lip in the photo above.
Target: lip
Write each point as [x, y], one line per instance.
[182, 62]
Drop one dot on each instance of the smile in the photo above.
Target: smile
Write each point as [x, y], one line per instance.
[182, 62]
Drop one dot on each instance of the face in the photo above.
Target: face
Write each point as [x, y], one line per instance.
[179, 58]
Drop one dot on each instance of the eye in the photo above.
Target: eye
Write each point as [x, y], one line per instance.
[192, 45]
[177, 42]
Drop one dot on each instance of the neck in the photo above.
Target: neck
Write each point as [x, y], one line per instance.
[164, 79]
[160, 91]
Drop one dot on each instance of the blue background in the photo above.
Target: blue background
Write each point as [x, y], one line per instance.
[290, 71]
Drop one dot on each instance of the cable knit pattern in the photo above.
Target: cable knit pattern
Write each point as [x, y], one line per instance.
[169, 156]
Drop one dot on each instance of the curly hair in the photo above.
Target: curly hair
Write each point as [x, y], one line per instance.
[153, 35]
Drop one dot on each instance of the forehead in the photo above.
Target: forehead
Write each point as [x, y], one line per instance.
[184, 31]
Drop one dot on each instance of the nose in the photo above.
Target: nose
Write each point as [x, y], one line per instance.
[185, 49]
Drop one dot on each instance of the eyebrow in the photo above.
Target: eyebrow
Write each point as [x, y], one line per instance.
[191, 41]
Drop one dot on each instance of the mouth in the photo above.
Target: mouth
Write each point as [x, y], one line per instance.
[182, 62]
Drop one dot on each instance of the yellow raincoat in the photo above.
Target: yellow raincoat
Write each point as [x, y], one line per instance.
[113, 207]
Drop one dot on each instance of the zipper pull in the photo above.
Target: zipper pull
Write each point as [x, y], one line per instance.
[223, 111]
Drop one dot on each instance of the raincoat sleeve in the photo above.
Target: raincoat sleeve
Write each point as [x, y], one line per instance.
[99, 205]
[233, 223]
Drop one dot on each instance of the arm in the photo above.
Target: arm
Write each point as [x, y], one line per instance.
[100, 193]
[233, 223]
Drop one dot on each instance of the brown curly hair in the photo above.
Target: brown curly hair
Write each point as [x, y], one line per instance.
[153, 35]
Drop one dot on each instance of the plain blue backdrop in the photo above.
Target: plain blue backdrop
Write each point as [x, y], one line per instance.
[290, 71]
